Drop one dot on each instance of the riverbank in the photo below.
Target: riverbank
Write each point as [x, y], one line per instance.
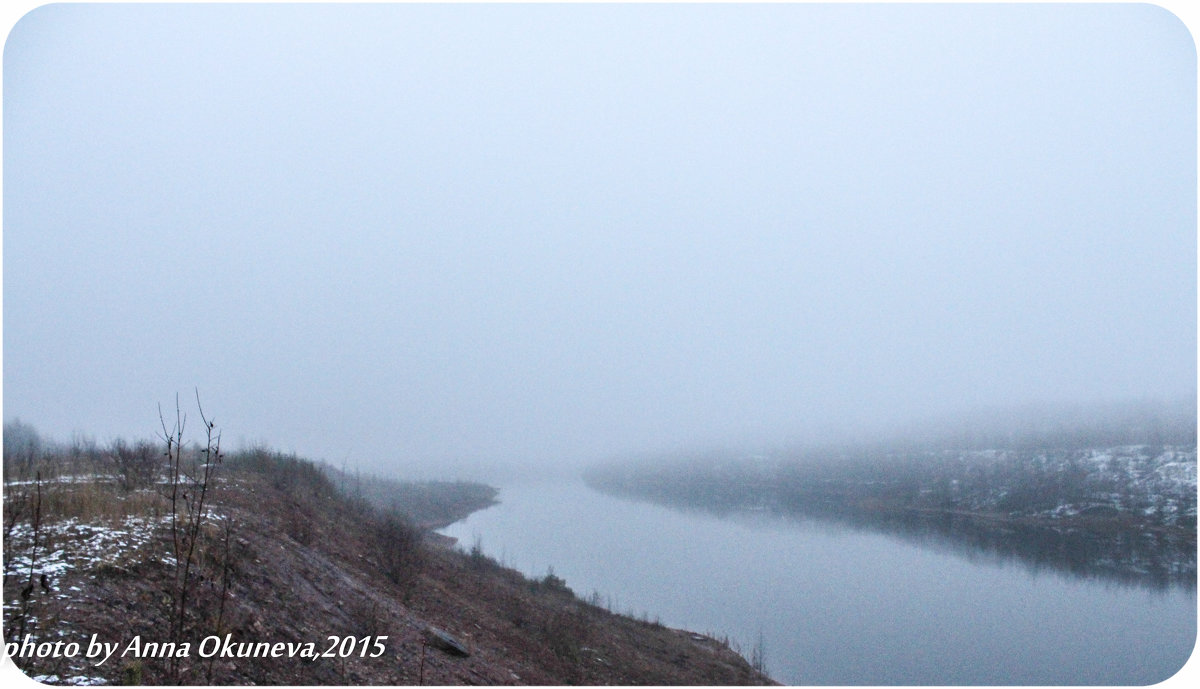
[283, 558]
[835, 603]
[1125, 513]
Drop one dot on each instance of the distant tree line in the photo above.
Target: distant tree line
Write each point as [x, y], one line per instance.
[139, 464]
[1154, 484]
[430, 504]
[1060, 493]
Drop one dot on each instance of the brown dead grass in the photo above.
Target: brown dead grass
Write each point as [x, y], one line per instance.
[288, 559]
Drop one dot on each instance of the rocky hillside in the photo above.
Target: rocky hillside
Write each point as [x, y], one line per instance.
[261, 569]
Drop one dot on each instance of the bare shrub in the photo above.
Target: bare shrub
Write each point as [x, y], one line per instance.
[138, 465]
[552, 584]
[479, 560]
[566, 633]
[400, 551]
[189, 480]
[23, 447]
[758, 655]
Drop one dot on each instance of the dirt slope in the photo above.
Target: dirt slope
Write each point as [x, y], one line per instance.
[287, 561]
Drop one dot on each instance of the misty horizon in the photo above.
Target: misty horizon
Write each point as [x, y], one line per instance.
[411, 238]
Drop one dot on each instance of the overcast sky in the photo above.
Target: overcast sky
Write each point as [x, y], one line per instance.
[411, 235]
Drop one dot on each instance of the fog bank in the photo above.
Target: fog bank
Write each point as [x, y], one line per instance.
[459, 238]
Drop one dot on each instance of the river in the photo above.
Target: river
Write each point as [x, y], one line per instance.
[833, 604]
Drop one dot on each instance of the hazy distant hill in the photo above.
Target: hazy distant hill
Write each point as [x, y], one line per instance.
[1042, 492]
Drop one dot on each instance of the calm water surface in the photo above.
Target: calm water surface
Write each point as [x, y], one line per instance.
[836, 605]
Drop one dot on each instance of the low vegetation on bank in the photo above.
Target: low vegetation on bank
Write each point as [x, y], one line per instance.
[258, 567]
[1055, 496]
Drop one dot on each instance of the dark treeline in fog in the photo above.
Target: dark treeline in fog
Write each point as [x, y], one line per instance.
[430, 504]
[138, 464]
[1110, 496]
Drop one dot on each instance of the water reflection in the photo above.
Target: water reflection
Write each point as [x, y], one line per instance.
[1156, 559]
[840, 601]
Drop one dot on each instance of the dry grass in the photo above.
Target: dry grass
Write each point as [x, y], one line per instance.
[102, 502]
[284, 554]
